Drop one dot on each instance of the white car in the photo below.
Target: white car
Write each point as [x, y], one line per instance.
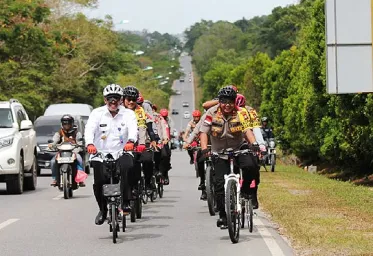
[186, 114]
[18, 166]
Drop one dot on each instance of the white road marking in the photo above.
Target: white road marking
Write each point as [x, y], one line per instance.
[58, 197]
[7, 223]
[270, 241]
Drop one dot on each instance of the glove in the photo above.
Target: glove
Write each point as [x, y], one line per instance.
[194, 144]
[91, 149]
[186, 145]
[140, 148]
[263, 148]
[129, 146]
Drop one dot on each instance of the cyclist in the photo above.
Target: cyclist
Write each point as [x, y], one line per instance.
[131, 97]
[165, 165]
[111, 129]
[67, 133]
[229, 127]
[208, 104]
[189, 129]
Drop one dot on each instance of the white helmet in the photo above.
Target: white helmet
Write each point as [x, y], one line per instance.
[113, 89]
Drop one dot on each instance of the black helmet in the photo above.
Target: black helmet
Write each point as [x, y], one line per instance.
[264, 119]
[227, 92]
[67, 119]
[130, 92]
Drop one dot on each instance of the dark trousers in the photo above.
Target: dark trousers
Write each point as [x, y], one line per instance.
[190, 153]
[165, 163]
[201, 167]
[250, 171]
[102, 176]
[146, 159]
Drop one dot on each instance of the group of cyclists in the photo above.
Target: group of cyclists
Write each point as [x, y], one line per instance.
[129, 123]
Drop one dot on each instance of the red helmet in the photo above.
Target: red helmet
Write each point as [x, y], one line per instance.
[164, 112]
[240, 100]
[196, 113]
[154, 107]
[140, 99]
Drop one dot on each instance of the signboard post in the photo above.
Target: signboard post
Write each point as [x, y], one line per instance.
[349, 46]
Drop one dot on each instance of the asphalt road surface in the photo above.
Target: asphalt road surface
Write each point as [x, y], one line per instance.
[42, 223]
[187, 95]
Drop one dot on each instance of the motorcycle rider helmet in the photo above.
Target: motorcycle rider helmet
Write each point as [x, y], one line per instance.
[264, 119]
[68, 120]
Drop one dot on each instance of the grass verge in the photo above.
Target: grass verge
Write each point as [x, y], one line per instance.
[198, 92]
[319, 215]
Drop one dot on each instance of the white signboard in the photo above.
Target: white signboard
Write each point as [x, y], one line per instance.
[349, 46]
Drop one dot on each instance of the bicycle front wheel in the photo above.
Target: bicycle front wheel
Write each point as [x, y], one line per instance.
[114, 223]
[210, 191]
[233, 218]
[250, 215]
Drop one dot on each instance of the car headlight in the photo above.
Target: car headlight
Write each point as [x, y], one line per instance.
[37, 149]
[6, 141]
[271, 144]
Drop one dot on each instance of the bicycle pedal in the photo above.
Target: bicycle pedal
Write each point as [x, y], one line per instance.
[223, 227]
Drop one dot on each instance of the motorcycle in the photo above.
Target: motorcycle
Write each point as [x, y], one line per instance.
[67, 168]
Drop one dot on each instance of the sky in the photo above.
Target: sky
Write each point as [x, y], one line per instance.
[174, 16]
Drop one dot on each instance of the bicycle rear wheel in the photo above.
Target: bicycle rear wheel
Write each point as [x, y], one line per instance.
[243, 213]
[250, 216]
[233, 218]
[133, 213]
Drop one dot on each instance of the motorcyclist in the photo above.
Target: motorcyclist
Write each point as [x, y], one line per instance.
[67, 133]
[189, 129]
[266, 129]
[111, 129]
[131, 97]
[229, 127]
[165, 165]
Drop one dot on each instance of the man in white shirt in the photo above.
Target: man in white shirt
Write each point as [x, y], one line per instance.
[111, 129]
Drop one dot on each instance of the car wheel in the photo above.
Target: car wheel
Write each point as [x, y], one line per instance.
[31, 182]
[15, 184]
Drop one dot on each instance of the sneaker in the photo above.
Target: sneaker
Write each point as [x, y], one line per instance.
[54, 183]
[222, 222]
[191, 161]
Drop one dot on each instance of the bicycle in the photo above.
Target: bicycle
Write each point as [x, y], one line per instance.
[232, 187]
[112, 193]
[195, 151]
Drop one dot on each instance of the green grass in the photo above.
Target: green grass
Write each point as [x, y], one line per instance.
[320, 216]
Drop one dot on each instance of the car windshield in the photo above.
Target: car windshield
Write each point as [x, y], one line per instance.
[47, 129]
[6, 118]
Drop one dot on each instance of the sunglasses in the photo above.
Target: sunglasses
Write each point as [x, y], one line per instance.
[113, 98]
[131, 99]
[226, 101]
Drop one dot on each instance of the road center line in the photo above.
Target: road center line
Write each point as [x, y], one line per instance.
[7, 223]
[270, 241]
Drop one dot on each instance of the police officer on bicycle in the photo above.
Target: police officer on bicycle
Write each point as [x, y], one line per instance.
[229, 127]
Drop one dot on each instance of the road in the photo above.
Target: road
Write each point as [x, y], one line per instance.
[42, 223]
[187, 95]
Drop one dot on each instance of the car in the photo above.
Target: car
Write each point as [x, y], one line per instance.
[74, 109]
[175, 111]
[186, 114]
[182, 80]
[177, 92]
[18, 167]
[46, 127]
[185, 104]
